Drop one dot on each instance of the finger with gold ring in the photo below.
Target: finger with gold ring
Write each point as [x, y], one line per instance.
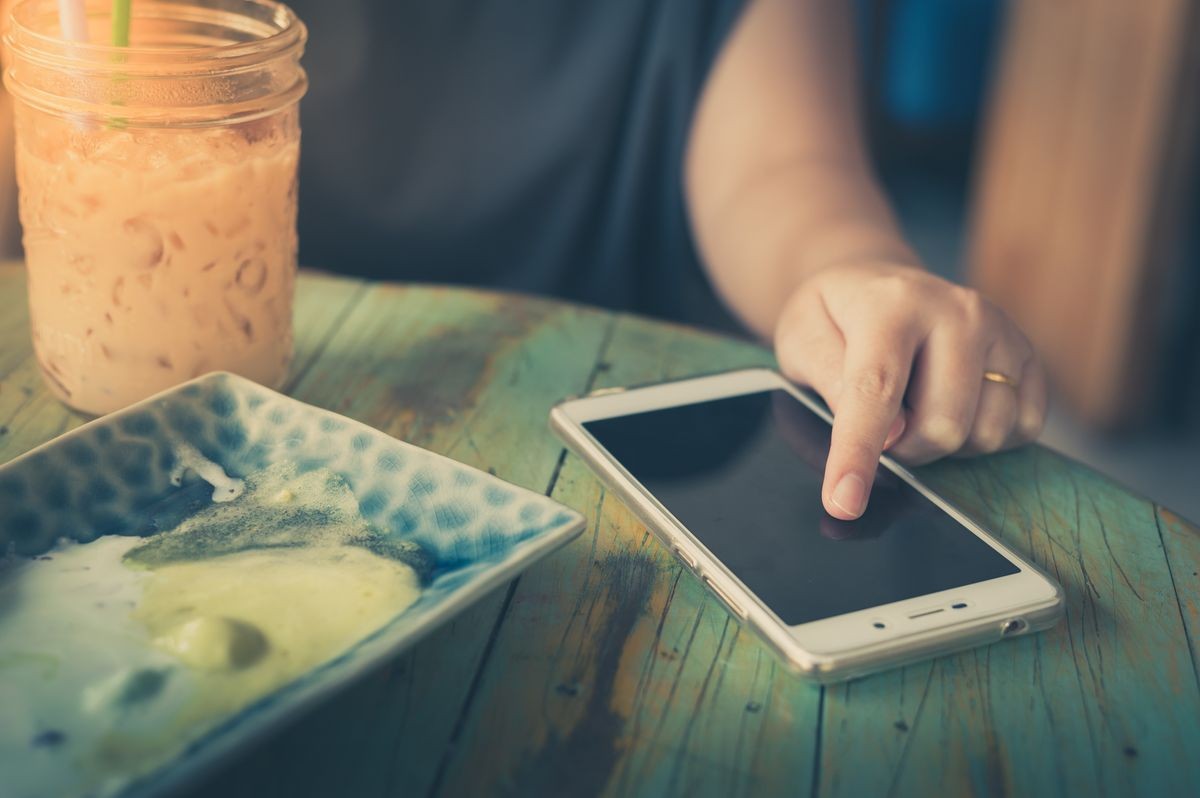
[1000, 378]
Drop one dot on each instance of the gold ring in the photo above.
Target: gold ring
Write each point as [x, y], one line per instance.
[1002, 379]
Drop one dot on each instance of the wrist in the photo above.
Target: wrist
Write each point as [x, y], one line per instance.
[849, 247]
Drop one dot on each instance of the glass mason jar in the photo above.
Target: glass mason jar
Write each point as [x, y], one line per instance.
[157, 189]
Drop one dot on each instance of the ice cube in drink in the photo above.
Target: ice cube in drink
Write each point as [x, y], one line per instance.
[157, 255]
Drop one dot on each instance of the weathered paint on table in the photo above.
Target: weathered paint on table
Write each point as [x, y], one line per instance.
[606, 669]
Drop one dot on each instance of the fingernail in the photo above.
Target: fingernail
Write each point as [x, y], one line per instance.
[850, 495]
[895, 432]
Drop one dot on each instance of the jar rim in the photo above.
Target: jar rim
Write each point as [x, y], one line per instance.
[208, 63]
[286, 32]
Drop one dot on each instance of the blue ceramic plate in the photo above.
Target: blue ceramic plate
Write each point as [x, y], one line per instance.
[115, 475]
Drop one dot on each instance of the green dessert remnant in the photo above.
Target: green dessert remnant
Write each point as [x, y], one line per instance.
[214, 643]
[279, 508]
[119, 653]
[252, 592]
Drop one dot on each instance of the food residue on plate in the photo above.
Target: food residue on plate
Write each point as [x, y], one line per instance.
[116, 654]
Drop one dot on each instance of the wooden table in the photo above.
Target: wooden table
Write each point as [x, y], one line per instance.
[607, 669]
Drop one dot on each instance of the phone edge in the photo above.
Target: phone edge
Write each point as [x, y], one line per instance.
[812, 666]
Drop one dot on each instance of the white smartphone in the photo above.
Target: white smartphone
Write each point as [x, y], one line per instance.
[726, 469]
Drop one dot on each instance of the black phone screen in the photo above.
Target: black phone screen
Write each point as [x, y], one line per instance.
[743, 474]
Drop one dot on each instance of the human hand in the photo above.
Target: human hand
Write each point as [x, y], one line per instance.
[900, 355]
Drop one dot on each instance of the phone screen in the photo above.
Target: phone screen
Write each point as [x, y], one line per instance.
[744, 473]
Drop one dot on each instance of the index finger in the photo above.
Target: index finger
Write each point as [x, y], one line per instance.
[876, 372]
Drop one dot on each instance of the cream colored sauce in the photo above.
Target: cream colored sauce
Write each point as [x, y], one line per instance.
[253, 621]
[211, 643]
[129, 649]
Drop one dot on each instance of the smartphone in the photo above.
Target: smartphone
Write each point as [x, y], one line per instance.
[727, 469]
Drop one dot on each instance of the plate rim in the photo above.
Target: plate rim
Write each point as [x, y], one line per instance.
[216, 747]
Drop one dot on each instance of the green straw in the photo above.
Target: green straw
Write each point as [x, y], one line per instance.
[120, 23]
[120, 38]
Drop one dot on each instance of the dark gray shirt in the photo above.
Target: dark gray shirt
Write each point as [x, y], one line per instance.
[534, 145]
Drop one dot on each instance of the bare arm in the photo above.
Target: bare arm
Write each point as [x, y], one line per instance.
[800, 242]
[777, 179]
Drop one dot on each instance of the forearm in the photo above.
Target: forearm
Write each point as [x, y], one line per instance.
[763, 239]
[799, 241]
[776, 178]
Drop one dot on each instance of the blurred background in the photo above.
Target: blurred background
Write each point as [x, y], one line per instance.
[1044, 152]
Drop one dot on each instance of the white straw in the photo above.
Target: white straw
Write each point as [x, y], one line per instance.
[72, 16]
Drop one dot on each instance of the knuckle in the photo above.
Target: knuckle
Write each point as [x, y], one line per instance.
[806, 359]
[1030, 424]
[988, 437]
[899, 288]
[972, 311]
[879, 382]
[972, 303]
[944, 432]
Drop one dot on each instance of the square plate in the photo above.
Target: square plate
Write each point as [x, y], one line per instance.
[108, 476]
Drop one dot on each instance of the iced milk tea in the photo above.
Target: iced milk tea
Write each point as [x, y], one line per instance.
[158, 202]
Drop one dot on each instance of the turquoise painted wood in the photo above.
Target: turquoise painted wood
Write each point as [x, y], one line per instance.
[607, 670]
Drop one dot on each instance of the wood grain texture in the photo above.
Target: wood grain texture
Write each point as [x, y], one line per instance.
[614, 672]
[1105, 704]
[1181, 541]
[607, 670]
[471, 375]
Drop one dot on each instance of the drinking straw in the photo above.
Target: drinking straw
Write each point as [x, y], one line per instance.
[120, 23]
[120, 38]
[72, 17]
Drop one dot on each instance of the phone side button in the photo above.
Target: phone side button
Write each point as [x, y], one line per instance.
[688, 559]
[724, 597]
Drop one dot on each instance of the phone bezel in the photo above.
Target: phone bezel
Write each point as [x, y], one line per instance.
[842, 645]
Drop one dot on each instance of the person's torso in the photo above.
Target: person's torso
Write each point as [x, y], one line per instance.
[534, 145]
